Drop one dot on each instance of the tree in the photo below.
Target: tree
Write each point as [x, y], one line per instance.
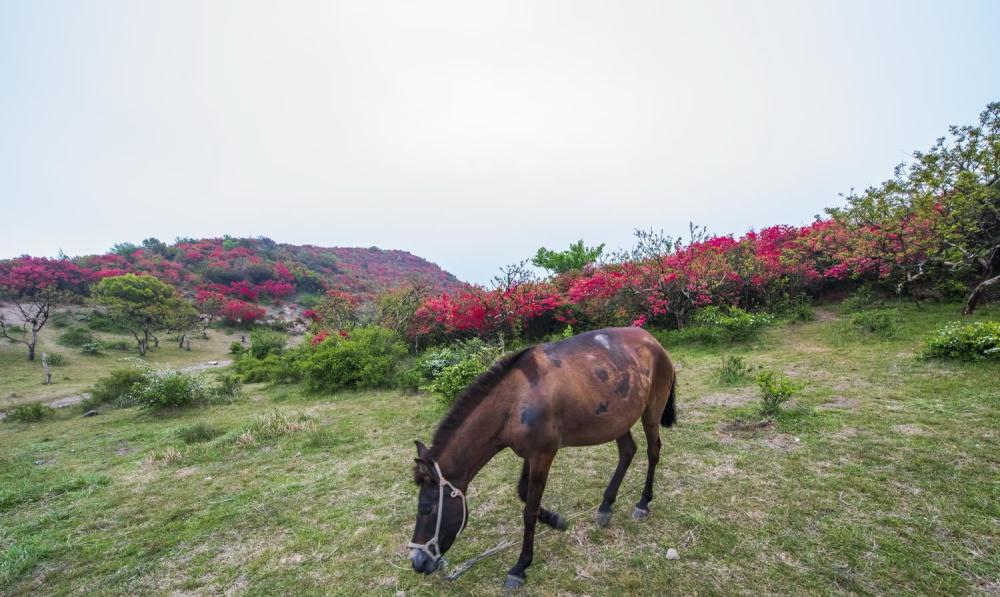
[35, 285]
[139, 305]
[939, 214]
[560, 262]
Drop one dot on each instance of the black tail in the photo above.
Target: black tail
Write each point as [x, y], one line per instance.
[669, 416]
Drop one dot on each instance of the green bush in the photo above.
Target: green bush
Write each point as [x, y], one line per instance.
[228, 388]
[775, 390]
[61, 320]
[99, 322]
[117, 386]
[168, 389]
[876, 321]
[794, 308]
[969, 342]
[76, 337]
[365, 359]
[55, 359]
[92, 348]
[199, 432]
[274, 368]
[863, 298]
[733, 370]
[29, 413]
[265, 342]
[237, 348]
[713, 325]
[451, 369]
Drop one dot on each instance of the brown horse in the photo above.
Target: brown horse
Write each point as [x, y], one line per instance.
[582, 391]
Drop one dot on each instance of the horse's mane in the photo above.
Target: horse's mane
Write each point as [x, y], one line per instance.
[471, 398]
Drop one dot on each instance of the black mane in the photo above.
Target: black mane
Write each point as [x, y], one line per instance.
[471, 398]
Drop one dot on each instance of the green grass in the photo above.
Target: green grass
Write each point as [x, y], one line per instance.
[880, 476]
[21, 380]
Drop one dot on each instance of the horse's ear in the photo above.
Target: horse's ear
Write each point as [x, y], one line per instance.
[422, 452]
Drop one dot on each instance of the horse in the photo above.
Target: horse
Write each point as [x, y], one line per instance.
[585, 390]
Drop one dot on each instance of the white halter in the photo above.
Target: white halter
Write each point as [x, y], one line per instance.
[433, 542]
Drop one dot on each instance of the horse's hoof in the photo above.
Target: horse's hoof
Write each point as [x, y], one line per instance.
[640, 513]
[514, 582]
[603, 519]
[559, 522]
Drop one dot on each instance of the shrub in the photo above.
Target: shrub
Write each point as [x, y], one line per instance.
[61, 319]
[862, 299]
[29, 413]
[876, 321]
[55, 359]
[92, 348]
[775, 390]
[76, 337]
[237, 348]
[733, 369]
[970, 342]
[168, 389]
[452, 369]
[117, 386]
[229, 387]
[99, 322]
[265, 342]
[199, 432]
[119, 345]
[365, 359]
[275, 368]
[270, 426]
[733, 324]
[794, 309]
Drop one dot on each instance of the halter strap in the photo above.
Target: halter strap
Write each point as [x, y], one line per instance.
[433, 542]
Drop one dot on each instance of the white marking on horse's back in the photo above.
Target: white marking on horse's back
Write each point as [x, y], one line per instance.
[602, 339]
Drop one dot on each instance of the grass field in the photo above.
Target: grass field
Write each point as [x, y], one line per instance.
[21, 381]
[882, 477]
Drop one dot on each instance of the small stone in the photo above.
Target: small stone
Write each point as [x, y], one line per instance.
[39, 462]
[672, 554]
[90, 413]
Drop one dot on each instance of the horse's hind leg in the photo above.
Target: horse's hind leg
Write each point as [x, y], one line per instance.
[652, 429]
[553, 519]
[626, 450]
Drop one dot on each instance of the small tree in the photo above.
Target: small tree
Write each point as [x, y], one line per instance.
[575, 257]
[35, 285]
[139, 305]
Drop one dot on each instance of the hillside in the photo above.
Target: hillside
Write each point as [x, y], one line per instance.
[259, 270]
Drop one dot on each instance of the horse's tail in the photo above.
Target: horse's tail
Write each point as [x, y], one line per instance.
[669, 416]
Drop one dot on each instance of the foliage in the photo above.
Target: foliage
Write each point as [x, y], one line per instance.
[574, 258]
[971, 342]
[365, 359]
[451, 369]
[237, 348]
[229, 387]
[117, 386]
[55, 359]
[281, 369]
[266, 342]
[862, 299]
[877, 321]
[168, 389]
[775, 390]
[92, 348]
[140, 305]
[76, 337]
[29, 413]
[733, 369]
[794, 308]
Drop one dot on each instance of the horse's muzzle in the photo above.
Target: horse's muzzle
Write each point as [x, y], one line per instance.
[422, 563]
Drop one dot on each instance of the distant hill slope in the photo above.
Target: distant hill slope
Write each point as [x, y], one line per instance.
[259, 269]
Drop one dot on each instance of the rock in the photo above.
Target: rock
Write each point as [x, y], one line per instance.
[672, 554]
[90, 413]
[213, 363]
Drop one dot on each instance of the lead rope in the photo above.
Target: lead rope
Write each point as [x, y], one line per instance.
[455, 492]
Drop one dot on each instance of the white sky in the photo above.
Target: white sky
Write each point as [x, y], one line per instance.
[469, 133]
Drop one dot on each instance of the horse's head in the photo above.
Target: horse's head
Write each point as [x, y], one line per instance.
[441, 514]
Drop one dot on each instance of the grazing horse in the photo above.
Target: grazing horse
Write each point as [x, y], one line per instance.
[586, 390]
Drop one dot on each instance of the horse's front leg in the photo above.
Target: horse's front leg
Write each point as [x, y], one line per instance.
[538, 474]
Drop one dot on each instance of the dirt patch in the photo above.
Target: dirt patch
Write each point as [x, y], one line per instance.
[206, 365]
[845, 433]
[782, 441]
[124, 449]
[909, 429]
[826, 315]
[720, 471]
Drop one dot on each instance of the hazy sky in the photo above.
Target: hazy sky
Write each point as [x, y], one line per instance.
[467, 132]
